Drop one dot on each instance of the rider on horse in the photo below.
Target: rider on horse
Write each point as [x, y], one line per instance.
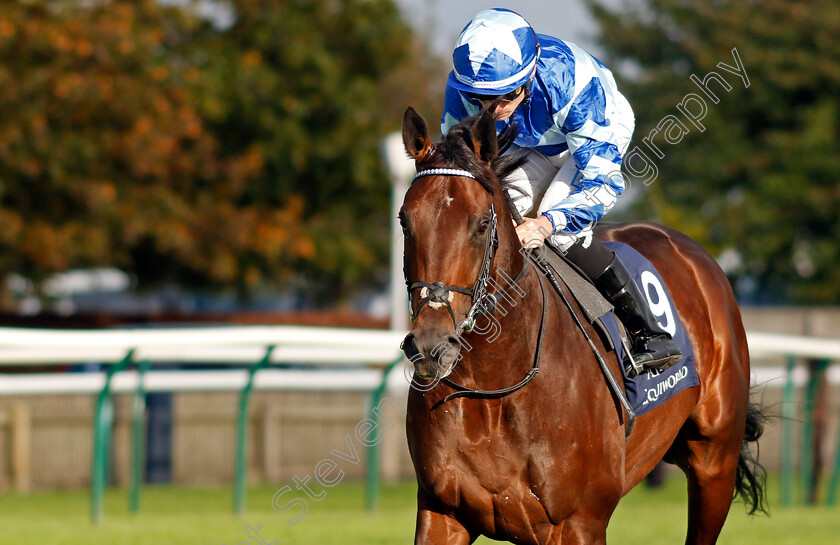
[562, 103]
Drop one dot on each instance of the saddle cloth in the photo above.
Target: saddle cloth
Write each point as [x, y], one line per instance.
[652, 388]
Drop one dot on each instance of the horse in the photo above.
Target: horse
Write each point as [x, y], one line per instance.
[542, 458]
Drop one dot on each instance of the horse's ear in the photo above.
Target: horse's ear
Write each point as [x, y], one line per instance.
[415, 135]
[484, 140]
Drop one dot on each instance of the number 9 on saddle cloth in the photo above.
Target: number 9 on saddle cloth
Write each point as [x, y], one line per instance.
[648, 390]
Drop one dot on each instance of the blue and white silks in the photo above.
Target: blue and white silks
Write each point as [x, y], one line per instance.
[575, 107]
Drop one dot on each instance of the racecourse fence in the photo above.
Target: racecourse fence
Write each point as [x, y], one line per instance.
[281, 362]
[348, 360]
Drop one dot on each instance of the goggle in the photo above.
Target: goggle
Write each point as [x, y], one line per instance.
[507, 97]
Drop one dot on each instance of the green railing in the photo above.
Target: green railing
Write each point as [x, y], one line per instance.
[241, 471]
[372, 480]
[808, 478]
[129, 349]
[103, 424]
[104, 420]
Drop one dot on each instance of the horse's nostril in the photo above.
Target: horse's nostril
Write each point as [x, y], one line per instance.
[409, 347]
[453, 339]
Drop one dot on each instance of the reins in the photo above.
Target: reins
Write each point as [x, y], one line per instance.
[602, 363]
[605, 369]
[463, 391]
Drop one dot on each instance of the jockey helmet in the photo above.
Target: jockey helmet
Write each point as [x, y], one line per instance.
[496, 53]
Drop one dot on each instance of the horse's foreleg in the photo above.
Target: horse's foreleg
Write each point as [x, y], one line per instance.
[435, 528]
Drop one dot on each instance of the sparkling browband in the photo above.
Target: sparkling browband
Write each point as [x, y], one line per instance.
[442, 172]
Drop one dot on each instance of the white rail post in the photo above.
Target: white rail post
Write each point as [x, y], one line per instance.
[400, 169]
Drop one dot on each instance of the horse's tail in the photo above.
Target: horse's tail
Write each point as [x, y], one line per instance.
[750, 476]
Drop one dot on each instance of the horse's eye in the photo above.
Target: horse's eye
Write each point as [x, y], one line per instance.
[403, 225]
[482, 227]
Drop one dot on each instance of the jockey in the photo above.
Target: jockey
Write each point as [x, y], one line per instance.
[574, 126]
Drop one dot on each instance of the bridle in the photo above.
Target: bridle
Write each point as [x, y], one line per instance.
[438, 293]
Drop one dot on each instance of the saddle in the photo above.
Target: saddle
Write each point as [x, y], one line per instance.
[589, 299]
[643, 391]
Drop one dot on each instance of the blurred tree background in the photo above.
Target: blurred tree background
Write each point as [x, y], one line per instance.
[227, 156]
[761, 185]
[239, 152]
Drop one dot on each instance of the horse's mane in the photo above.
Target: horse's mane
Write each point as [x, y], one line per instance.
[455, 150]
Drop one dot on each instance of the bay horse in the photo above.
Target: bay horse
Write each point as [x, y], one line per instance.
[545, 460]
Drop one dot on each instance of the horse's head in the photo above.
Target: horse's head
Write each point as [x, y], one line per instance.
[453, 218]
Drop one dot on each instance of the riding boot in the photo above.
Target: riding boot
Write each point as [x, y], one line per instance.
[652, 347]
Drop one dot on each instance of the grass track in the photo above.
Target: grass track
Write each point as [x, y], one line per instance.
[195, 516]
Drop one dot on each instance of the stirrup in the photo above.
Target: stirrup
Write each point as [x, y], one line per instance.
[663, 354]
[632, 368]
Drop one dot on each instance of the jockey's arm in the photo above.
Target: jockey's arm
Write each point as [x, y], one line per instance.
[594, 192]
[596, 187]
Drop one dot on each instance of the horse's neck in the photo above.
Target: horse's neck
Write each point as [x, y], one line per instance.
[502, 347]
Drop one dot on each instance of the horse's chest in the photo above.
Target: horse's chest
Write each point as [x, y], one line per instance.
[491, 483]
[457, 468]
